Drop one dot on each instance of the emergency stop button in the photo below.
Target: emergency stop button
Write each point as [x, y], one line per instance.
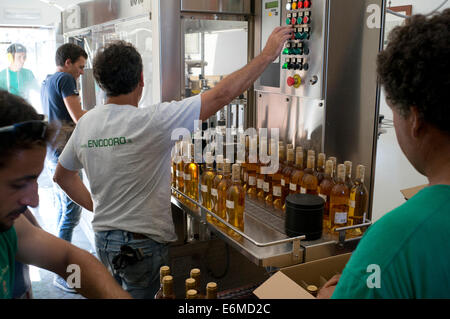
[307, 4]
[294, 81]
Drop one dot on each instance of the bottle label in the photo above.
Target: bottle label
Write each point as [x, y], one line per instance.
[252, 180]
[277, 191]
[302, 190]
[214, 192]
[204, 188]
[266, 187]
[230, 204]
[283, 182]
[352, 203]
[340, 218]
[324, 197]
[187, 177]
[260, 183]
[293, 187]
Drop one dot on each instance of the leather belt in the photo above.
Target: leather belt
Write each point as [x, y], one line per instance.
[138, 236]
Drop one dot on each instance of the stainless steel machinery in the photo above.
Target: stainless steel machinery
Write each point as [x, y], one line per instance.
[321, 93]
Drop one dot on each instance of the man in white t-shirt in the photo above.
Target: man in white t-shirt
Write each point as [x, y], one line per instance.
[126, 153]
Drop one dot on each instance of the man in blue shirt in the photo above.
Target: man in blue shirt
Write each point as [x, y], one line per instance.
[61, 103]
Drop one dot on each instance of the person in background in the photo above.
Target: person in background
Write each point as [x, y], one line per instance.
[126, 151]
[406, 254]
[15, 78]
[23, 139]
[61, 103]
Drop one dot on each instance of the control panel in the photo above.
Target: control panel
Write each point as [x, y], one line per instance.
[302, 59]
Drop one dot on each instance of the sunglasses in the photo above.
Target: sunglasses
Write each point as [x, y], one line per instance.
[35, 129]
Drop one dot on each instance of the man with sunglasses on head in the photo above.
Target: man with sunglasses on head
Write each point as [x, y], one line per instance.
[23, 140]
[61, 103]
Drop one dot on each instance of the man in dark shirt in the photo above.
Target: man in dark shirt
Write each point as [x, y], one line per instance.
[61, 103]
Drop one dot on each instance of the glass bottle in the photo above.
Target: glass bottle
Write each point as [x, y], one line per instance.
[252, 168]
[278, 194]
[309, 181]
[211, 290]
[192, 294]
[348, 174]
[191, 176]
[339, 200]
[180, 170]
[163, 271]
[189, 285]
[297, 173]
[206, 183]
[320, 170]
[359, 201]
[168, 291]
[235, 202]
[326, 186]
[222, 189]
[217, 179]
[173, 168]
[196, 275]
[334, 160]
[261, 178]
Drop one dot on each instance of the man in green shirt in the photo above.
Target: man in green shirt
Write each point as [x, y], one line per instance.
[15, 78]
[406, 254]
[23, 140]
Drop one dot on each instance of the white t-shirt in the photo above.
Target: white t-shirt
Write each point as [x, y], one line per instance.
[126, 153]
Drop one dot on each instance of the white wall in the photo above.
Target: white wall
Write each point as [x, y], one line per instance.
[45, 14]
[393, 171]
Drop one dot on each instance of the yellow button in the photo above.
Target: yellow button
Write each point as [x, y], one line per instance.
[270, 14]
[294, 5]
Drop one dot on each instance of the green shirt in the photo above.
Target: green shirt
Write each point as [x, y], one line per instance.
[411, 247]
[8, 248]
[18, 83]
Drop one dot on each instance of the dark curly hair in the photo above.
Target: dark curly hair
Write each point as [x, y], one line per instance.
[414, 69]
[14, 109]
[69, 51]
[117, 68]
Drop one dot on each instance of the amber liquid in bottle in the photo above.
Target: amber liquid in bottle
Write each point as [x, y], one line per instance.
[206, 183]
[216, 181]
[180, 172]
[235, 202]
[191, 178]
[320, 170]
[309, 181]
[261, 178]
[252, 168]
[325, 188]
[348, 174]
[222, 189]
[297, 173]
[339, 201]
[359, 201]
[278, 194]
[334, 160]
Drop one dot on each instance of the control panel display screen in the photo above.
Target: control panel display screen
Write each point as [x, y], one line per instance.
[271, 5]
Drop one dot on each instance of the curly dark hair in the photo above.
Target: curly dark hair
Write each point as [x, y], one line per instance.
[14, 109]
[117, 68]
[414, 69]
[69, 51]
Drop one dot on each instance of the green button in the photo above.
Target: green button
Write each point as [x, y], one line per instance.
[299, 20]
[285, 66]
[286, 51]
[288, 21]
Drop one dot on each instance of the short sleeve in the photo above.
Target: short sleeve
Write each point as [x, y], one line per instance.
[177, 116]
[69, 157]
[67, 85]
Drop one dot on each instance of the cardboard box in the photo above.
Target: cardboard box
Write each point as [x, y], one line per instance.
[287, 282]
[410, 192]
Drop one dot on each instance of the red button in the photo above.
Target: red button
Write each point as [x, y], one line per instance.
[290, 81]
[300, 4]
[307, 4]
[293, 21]
[305, 20]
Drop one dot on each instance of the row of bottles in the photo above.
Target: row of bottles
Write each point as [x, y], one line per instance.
[223, 190]
[192, 286]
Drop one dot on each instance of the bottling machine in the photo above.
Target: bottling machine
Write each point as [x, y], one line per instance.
[321, 93]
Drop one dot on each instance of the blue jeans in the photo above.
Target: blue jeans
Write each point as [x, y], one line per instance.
[141, 279]
[69, 212]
